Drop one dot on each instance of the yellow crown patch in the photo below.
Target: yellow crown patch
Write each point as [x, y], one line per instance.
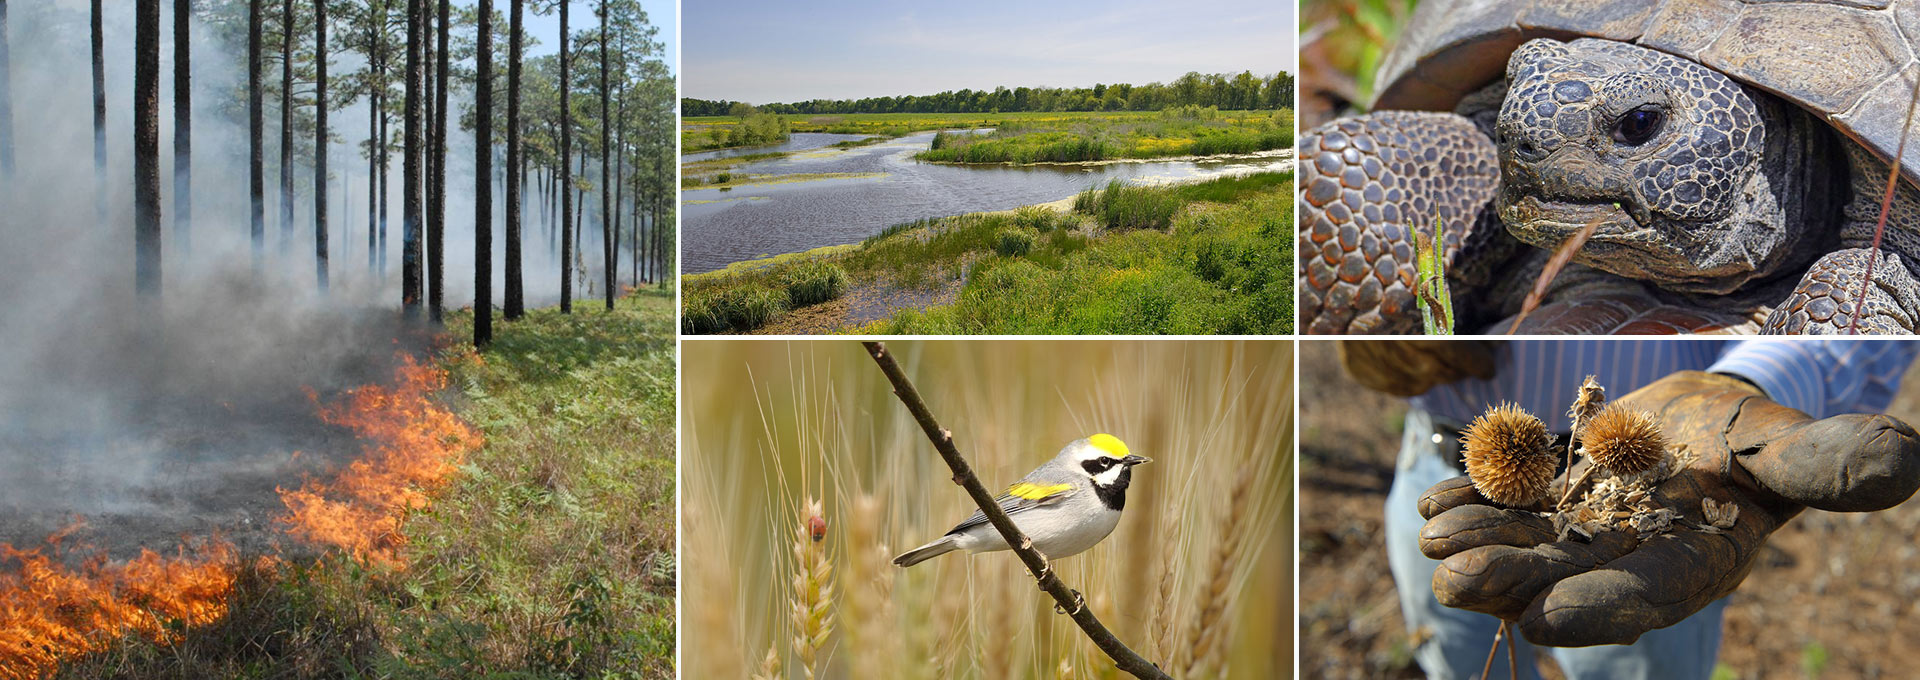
[1034, 492]
[1110, 444]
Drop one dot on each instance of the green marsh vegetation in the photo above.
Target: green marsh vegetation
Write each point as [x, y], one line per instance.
[1182, 131]
[1203, 258]
[711, 124]
[549, 555]
[747, 127]
[1186, 579]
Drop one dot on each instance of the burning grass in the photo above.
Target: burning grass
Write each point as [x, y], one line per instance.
[412, 445]
[545, 552]
[50, 611]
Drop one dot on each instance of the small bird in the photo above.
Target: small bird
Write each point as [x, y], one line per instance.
[1065, 506]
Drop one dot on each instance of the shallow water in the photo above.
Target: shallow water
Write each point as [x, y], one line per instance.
[722, 226]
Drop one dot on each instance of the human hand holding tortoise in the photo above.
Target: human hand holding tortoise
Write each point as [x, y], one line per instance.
[1766, 460]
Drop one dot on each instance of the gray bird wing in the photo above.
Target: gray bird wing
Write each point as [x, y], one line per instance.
[1027, 494]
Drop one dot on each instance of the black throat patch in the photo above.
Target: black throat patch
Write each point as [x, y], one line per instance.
[1114, 495]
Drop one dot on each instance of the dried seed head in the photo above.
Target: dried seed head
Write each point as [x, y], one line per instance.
[1624, 440]
[1720, 515]
[1587, 403]
[1507, 456]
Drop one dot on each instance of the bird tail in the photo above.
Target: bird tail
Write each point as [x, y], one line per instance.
[939, 547]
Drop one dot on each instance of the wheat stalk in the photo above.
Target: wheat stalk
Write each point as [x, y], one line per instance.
[1206, 640]
[770, 666]
[869, 590]
[812, 605]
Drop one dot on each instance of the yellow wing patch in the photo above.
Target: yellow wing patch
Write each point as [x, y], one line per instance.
[1034, 492]
[1110, 444]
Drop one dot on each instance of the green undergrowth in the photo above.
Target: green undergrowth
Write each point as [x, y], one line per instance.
[549, 555]
[1204, 258]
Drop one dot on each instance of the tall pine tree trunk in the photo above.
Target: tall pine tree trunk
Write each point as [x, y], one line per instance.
[256, 135]
[437, 161]
[606, 151]
[483, 180]
[386, 176]
[566, 178]
[319, 141]
[6, 99]
[286, 125]
[411, 204]
[373, 167]
[516, 166]
[99, 119]
[146, 151]
[182, 125]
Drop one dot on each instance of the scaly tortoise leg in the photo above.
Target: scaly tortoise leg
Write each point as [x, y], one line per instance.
[1364, 182]
[1823, 303]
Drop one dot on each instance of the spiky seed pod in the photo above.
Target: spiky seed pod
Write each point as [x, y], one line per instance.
[1507, 455]
[1587, 403]
[1624, 440]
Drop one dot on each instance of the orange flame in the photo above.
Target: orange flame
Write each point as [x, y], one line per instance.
[411, 444]
[49, 611]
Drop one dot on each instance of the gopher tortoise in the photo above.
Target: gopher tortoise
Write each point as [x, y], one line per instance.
[1731, 155]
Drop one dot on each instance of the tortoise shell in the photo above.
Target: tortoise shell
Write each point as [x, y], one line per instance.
[1851, 62]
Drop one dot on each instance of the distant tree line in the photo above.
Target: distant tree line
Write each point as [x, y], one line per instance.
[1226, 91]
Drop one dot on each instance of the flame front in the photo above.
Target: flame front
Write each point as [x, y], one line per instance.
[411, 446]
[49, 611]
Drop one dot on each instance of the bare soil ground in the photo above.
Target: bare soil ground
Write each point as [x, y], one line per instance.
[1835, 596]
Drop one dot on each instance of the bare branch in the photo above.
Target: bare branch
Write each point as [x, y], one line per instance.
[1067, 600]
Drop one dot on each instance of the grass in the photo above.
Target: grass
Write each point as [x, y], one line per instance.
[1183, 580]
[1203, 258]
[549, 556]
[1188, 131]
[1034, 137]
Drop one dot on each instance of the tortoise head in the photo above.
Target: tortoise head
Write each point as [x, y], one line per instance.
[1662, 152]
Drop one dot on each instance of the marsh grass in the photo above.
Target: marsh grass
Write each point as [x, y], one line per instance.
[1125, 206]
[814, 282]
[769, 424]
[1218, 265]
[1015, 241]
[1181, 131]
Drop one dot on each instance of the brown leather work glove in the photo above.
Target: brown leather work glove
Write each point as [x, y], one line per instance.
[1406, 368]
[1769, 460]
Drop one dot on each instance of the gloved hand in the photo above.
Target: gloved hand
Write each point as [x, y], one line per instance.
[1768, 460]
[1405, 368]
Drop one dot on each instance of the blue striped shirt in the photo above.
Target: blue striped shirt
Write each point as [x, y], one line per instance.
[1822, 377]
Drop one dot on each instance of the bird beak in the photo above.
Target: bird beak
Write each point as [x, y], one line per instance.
[1136, 460]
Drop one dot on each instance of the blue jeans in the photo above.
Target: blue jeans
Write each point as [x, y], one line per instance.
[1456, 641]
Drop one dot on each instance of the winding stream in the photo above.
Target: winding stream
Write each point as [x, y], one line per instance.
[723, 226]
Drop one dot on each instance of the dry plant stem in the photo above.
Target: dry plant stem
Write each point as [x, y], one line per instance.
[1487, 668]
[1513, 662]
[1574, 488]
[1123, 657]
[1886, 205]
[1559, 261]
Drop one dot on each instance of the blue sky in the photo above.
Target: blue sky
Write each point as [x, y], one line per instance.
[762, 51]
[546, 28]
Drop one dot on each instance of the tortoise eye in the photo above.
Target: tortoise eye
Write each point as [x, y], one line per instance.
[1638, 126]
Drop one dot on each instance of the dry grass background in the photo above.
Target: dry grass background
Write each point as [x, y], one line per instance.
[1198, 577]
[1834, 595]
